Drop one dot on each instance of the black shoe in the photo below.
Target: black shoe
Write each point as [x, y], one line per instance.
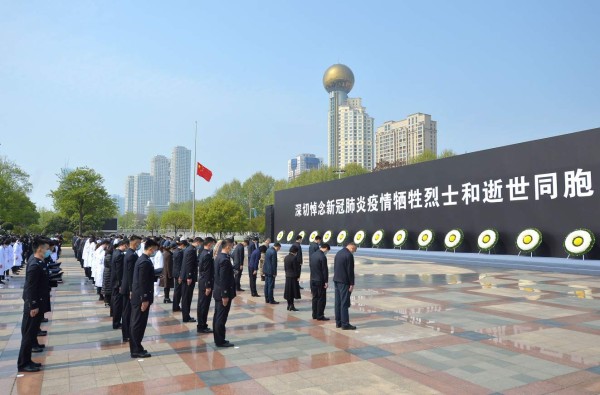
[37, 349]
[205, 330]
[323, 319]
[167, 301]
[190, 320]
[45, 320]
[118, 326]
[36, 364]
[273, 302]
[225, 345]
[3, 283]
[293, 308]
[29, 369]
[42, 333]
[40, 345]
[348, 327]
[240, 290]
[125, 340]
[176, 309]
[314, 317]
[141, 355]
[301, 287]
[338, 325]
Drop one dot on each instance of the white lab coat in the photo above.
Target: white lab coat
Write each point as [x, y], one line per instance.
[85, 255]
[18, 254]
[98, 268]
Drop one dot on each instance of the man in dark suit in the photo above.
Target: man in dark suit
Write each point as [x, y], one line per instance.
[224, 293]
[129, 260]
[252, 246]
[142, 297]
[343, 278]
[206, 277]
[238, 263]
[270, 271]
[189, 277]
[116, 275]
[299, 259]
[314, 246]
[33, 290]
[319, 278]
[177, 262]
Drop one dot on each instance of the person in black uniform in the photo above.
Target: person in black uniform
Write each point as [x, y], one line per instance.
[224, 292]
[299, 258]
[129, 260]
[238, 263]
[314, 246]
[319, 278]
[292, 272]
[206, 278]
[177, 262]
[253, 245]
[189, 277]
[32, 295]
[116, 276]
[142, 297]
[343, 279]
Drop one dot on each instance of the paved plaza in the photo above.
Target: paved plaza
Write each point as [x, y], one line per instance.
[423, 328]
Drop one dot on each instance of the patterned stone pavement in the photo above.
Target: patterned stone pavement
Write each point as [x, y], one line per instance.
[423, 328]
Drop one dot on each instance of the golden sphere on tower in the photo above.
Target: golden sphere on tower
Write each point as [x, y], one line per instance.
[338, 77]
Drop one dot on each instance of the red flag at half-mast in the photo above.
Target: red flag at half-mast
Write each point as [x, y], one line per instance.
[203, 172]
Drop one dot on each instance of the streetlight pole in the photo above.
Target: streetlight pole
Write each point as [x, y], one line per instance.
[339, 172]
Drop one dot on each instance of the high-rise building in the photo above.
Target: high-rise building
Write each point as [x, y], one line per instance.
[129, 195]
[398, 142]
[142, 192]
[181, 164]
[160, 171]
[350, 128]
[302, 163]
[120, 202]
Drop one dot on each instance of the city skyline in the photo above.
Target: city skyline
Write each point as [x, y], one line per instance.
[110, 98]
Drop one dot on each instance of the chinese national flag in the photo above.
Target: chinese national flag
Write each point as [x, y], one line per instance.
[203, 172]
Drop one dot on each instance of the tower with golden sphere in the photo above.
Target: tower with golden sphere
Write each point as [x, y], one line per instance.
[350, 128]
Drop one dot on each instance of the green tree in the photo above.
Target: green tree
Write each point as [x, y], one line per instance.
[82, 198]
[56, 225]
[426, 156]
[219, 216]
[15, 205]
[153, 222]
[447, 153]
[176, 220]
[127, 221]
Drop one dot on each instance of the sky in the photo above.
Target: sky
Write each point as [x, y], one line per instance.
[110, 84]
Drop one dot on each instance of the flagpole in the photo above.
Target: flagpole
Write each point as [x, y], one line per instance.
[194, 194]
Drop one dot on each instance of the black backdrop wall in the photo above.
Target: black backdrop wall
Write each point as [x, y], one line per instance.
[549, 184]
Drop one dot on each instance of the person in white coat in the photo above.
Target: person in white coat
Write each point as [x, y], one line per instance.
[2, 263]
[88, 252]
[18, 256]
[98, 267]
[8, 256]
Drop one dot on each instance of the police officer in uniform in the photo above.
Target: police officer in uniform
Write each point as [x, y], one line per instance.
[206, 277]
[33, 289]
[142, 297]
[224, 292]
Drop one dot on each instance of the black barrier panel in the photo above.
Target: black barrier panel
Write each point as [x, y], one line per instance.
[551, 184]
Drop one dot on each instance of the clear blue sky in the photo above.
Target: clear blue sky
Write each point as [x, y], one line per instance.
[109, 84]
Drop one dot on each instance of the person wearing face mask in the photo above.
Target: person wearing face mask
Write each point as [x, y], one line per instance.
[32, 295]
[189, 277]
[319, 278]
[128, 265]
[224, 292]
[142, 297]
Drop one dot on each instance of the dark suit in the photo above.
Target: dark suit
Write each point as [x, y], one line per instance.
[116, 275]
[319, 276]
[238, 264]
[205, 280]
[312, 248]
[142, 291]
[343, 278]
[177, 261]
[33, 294]
[128, 266]
[189, 270]
[251, 247]
[270, 271]
[224, 288]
